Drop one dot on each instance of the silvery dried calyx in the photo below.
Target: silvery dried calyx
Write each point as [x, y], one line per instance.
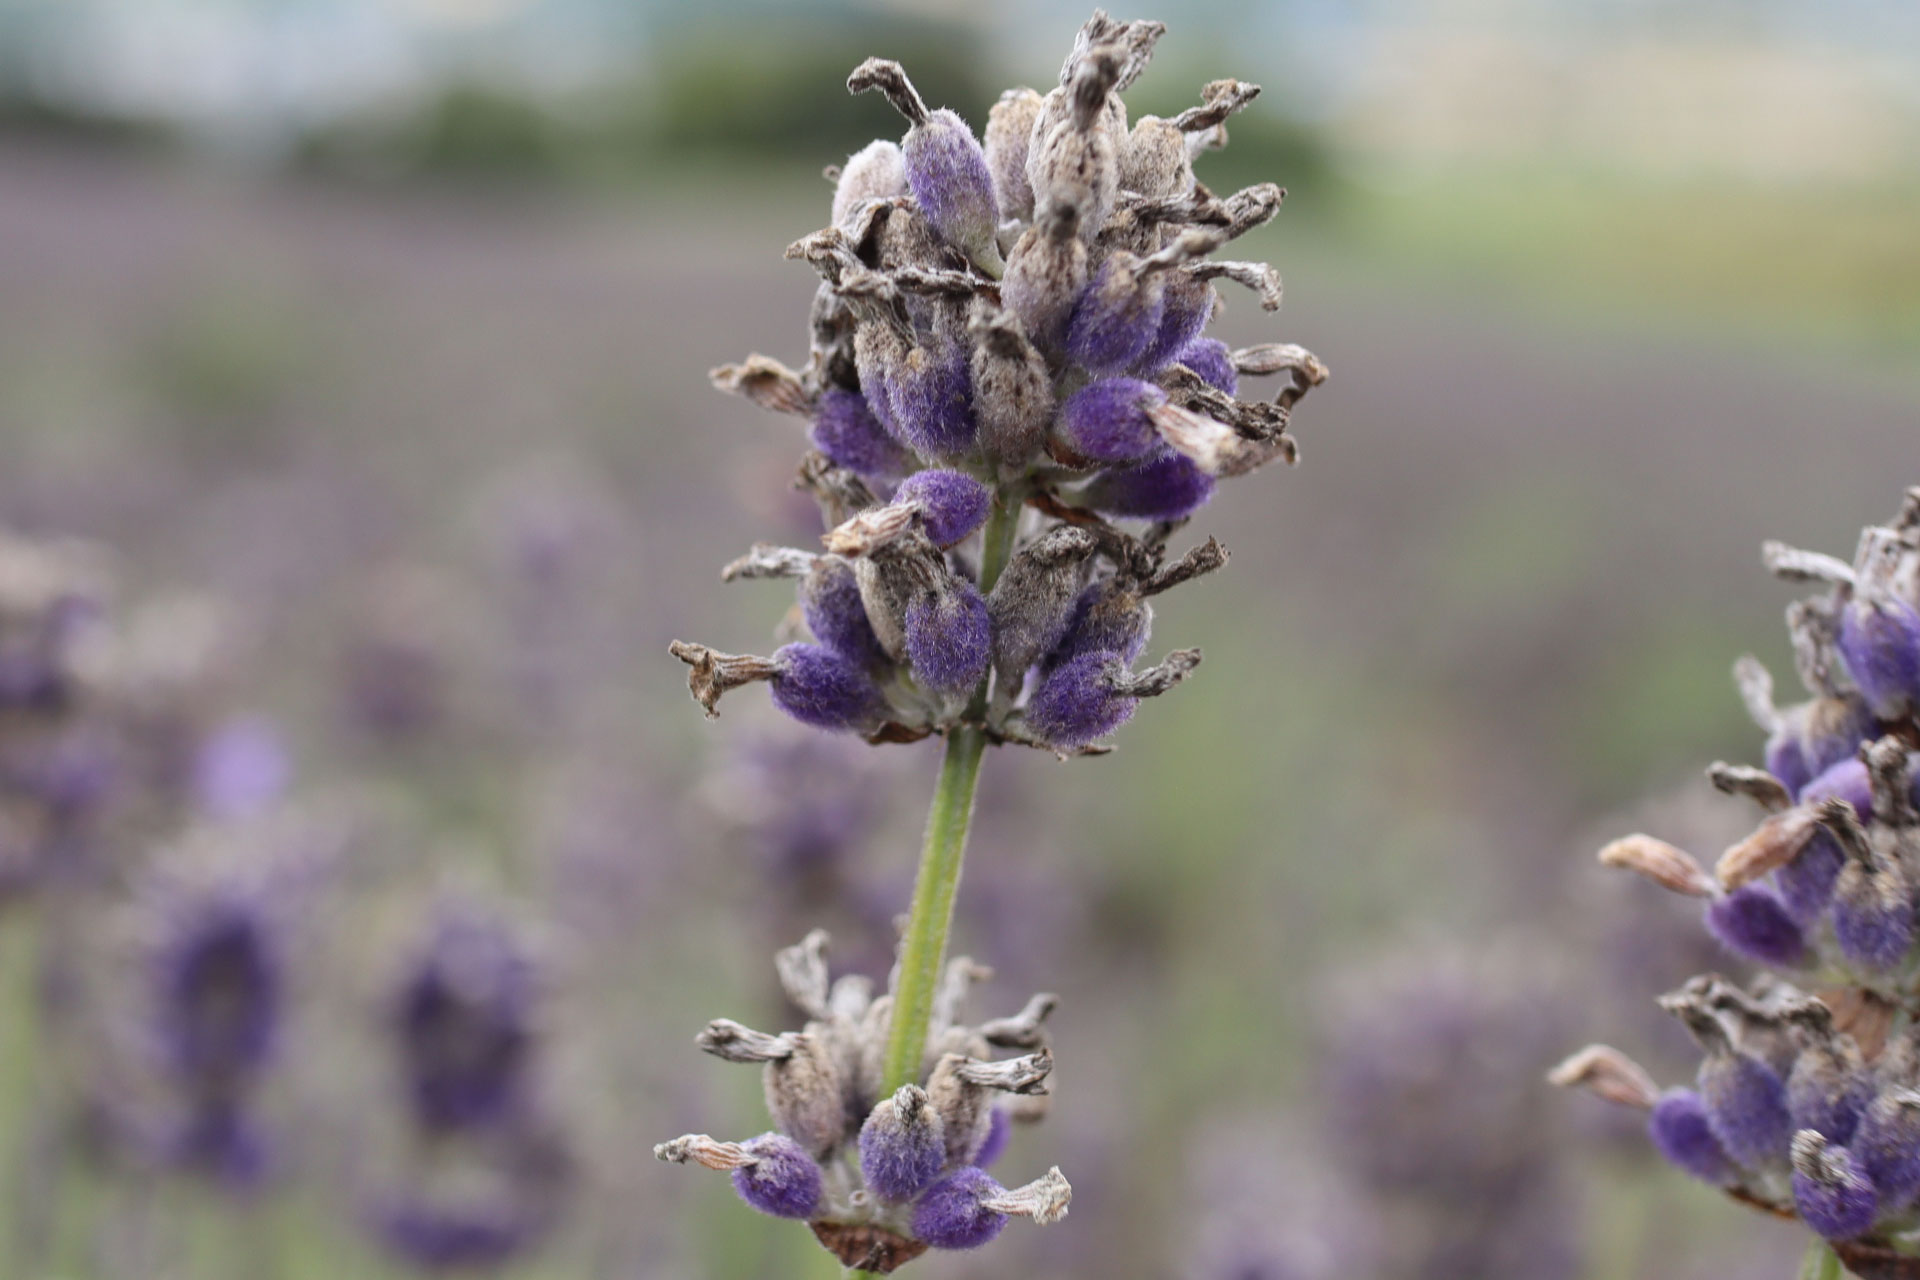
[1009, 358]
[1807, 1101]
[882, 1176]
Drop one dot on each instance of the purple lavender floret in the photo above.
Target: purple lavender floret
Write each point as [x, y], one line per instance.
[948, 175]
[1107, 421]
[1210, 358]
[1828, 1097]
[1746, 1106]
[836, 615]
[1814, 737]
[1183, 318]
[994, 1145]
[1166, 487]
[1108, 617]
[221, 985]
[952, 503]
[932, 399]
[846, 430]
[1075, 704]
[902, 1145]
[782, 1181]
[952, 1216]
[1886, 1147]
[464, 1021]
[1880, 644]
[1873, 929]
[1681, 1133]
[1753, 922]
[1116, 318]
[1830, 1190]
[1806, 884]
[818, 686]
[949, 637]
[1847, 781]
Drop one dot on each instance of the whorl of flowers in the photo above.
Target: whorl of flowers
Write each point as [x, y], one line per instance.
[1008, 354]
[1807, 1103]
[880, 1177]
[488, 1172]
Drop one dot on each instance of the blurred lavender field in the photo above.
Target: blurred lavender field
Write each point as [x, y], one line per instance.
[403, 483]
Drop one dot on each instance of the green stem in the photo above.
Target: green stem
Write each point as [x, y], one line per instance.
[1821, 1263]
[923, 950]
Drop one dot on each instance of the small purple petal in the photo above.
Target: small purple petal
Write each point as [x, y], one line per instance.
[1106, 421]
[1839, 1207]
[1073, 704]
[1680, 1132]
[1746, 1108]
[846, 430]
[948, 175]
[952, 503]
[950, 1216]
[837, 616]
[994, 1145]
[932, 399]
[1210, 358]
[949, 637]
[818, 686]
[1169, 487]
[1183, 318]
[783, 1181]
[1880, 643]
[1116, 318]
[1752, 922]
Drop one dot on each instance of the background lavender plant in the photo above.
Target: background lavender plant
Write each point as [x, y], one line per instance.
[1473, 632]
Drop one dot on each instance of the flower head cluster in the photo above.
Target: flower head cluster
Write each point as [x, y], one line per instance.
[883, 1177]
[1008, 354]
[217, 959]
[488, 1173]
[1808, 1099]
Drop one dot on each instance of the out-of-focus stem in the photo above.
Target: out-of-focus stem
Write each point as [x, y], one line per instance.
[1822, 1263]
[923, 950]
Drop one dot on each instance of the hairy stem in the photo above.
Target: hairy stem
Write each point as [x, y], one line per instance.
[923, 949]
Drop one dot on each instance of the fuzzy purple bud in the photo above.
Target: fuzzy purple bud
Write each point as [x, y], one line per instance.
[1117, 316]
[1108, 617]
[1831, 1192]
[1872, 916]
[949, 637]
[1106, 421]
[903, 1145]
[846, 430]
[1746, 1107]
[219, 972]
[1828, 1092]
[817, 686]
[948, 175]
[837, 615]
[1210, 358]
[931, 394]
[1886, 1147]
[994, 1145]
[1075, 703]
[1806, 884]
[1168, 487]
[951, 1215]
[1680, 1133]
[1183, 318]
[952, 503]
[783, 1180]
[1752, 922]
[464, 1018]
[1880, 643]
